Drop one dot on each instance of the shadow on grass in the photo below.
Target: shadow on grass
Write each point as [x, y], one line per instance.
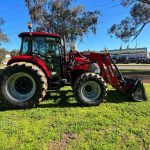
[1, 70]
[61, 99]
[114, 96]
[66, 99]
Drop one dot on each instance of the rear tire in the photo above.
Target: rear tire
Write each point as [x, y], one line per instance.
[90, 89]
[22, 85]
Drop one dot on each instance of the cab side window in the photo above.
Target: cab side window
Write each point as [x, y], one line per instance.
[25, 46]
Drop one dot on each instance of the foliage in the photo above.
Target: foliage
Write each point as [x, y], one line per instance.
[106, 50]
[59, 16]
[120, 50]
[2, 54]
[61, 123]
[132, 25]
[14, 53]
[3, 37]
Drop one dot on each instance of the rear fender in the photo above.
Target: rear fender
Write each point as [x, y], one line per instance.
[31, 59]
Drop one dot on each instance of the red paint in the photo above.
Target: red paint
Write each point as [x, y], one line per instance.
[108, 71]
[32, 59]
[38, 34]
[79, 64]
[104, 62]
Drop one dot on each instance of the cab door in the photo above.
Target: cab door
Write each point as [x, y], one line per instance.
[48, 49]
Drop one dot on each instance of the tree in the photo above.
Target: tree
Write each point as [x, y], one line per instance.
[14, 53]
[120, 50]
[59, 16]
[3, 37]
[106, 50]
[2, 54]
[132, 25]
[127, 49]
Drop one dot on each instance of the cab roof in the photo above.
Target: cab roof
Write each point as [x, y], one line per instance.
[39, 34]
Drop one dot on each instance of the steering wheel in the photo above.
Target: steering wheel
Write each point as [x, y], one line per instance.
[49, 54]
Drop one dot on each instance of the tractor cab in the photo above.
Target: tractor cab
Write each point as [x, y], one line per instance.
[45, 46]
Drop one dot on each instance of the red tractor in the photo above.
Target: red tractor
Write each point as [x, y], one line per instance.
[44, 64]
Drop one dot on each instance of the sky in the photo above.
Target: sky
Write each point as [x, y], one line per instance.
[16, 16]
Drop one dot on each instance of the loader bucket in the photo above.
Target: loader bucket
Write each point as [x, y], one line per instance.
[136, 91]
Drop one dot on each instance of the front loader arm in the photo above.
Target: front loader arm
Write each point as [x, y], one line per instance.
[108, 71]
[111, 74]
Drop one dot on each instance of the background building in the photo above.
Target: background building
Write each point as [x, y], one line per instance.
[130, 53]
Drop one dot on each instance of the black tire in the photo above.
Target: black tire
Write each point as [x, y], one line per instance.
[22, 85]
[88, 85]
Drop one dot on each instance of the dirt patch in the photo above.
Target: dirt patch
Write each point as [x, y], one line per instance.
[145, 78]
[62, 144]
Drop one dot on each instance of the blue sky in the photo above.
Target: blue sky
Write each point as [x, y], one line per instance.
[16, 16]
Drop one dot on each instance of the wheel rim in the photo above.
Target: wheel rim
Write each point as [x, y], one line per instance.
[20, 87]
[90, 91]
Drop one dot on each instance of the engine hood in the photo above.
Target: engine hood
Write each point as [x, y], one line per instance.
[81, 60]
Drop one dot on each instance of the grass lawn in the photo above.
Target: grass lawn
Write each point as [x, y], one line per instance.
[131, 64]
[2, 66]
[130, 71]
[60, 123]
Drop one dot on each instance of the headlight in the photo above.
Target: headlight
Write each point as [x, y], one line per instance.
[94, 68]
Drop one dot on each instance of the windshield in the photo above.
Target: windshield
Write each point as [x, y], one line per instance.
[41, 46]
[45, 45]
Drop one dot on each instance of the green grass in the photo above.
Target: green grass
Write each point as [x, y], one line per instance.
[2, 66]
[58, 123]
[130, 71]
[131, 64]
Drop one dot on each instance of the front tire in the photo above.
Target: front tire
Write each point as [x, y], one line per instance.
[22, 85]
[90, 89]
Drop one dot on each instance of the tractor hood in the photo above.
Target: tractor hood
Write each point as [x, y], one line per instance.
[81, 60]
[81, 63]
